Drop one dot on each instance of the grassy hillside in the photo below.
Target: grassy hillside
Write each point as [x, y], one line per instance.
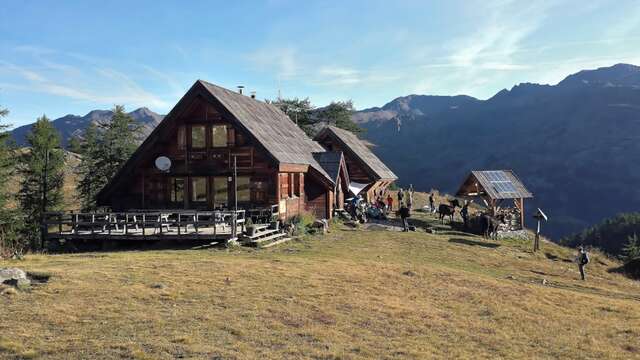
[351, 294]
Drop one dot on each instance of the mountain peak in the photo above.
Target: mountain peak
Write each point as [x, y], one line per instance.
[616, 75]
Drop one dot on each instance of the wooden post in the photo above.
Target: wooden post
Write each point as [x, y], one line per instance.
[536, 242]
[522, 214]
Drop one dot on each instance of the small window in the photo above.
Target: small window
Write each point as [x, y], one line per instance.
[198, 137]
[244, 189]
[259, 191]
[199, 189]
[296, 184]
[177, 190]
[219, 135]
[221, 194]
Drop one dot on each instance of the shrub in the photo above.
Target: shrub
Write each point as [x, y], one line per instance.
[303, 224]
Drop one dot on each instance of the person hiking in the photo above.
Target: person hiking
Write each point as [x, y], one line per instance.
[464, 212]
[400, 196]
[582, 260]
[389, 202]
[432, 203]
[404, 215]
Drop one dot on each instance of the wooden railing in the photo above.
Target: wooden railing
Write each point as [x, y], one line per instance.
[144, 224]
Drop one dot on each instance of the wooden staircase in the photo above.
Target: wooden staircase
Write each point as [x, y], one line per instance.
[264, 237]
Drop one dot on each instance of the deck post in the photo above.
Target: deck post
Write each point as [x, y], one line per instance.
[179, 223]
[195, 218]
[75, 224]
[126, 224]
[60, 223]
[144, 224]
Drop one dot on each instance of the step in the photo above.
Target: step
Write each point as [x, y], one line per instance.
[271, 237]
[261, 233]
[280, 241]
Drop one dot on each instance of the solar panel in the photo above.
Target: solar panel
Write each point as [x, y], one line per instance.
[501, 182]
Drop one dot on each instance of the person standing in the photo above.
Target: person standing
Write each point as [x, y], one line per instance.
[582, 260]
[404, 215]
[432, 203]
[409, 197]
[389, 202]
[400, 195]
[464, 212]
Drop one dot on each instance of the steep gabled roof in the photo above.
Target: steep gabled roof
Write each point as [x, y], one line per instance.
[331, 161]
[497, 184]
[357, 148]
[283, 141]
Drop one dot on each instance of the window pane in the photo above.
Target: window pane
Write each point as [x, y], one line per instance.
[181, 138]
[220, 191]
[244, 189]
[199, 189]
[198, 140]
[219, 135]
[177, 190]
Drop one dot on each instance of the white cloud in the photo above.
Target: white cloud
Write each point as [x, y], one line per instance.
[84, 82]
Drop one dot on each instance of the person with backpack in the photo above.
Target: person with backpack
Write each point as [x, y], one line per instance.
[400, 196]
[582, 260]
[409, 197]
[404, 215]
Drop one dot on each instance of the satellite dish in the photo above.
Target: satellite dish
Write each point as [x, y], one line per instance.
[163, 163]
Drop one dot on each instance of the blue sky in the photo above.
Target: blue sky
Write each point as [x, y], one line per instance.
[62, 57]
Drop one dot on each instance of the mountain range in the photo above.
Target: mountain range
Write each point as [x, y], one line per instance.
[575, 145]
[73, 125]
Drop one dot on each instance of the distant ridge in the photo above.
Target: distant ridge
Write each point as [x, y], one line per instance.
[574, 144]
[74, 125]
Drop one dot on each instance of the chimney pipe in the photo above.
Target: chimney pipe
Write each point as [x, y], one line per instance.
[253, 94]
[240, 87]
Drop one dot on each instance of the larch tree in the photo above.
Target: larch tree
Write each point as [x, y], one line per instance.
[42, 172]
[299, 111]
[88, 184]
[9, 218]
[116, 140]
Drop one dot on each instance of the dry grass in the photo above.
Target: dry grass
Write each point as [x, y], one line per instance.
[349, 295]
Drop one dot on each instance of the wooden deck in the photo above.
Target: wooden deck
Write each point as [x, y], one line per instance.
[149, 225]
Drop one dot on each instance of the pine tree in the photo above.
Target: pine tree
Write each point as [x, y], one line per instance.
[299, 111]
[42, 178]
[118, 142]
[338, 114]
[631, 250]
[89, 183]
[9, 219]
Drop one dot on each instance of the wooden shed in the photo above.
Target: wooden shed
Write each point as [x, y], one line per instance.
[367, 173]
[204, 135]
[495, 187]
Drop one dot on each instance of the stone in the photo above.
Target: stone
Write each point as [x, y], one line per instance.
[8, 291]
[15, 277]
[409, 273]
[158, 286]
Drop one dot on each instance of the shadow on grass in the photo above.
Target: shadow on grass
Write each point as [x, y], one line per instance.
[630, 269]
[552, 257]
[108, 246]
[473, 243]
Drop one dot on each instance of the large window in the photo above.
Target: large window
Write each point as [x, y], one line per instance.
[198, 137]
[199, 189]
[244, 189]
[219, 135]
[221, 194]
[177, 190]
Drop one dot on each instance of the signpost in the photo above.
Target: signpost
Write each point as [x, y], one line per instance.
[539, 216]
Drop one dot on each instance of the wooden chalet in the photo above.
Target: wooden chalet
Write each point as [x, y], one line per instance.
[209, 130]
[368, 174]
[494, 188]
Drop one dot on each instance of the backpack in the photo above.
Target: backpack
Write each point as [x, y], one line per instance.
[584, 259]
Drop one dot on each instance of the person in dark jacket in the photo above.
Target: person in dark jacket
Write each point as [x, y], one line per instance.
[582, 260]
[400, 196]
[464, 212]
[404, 215]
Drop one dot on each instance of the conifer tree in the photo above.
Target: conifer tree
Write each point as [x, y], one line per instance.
[41, 168]
[118, 140]
[89, 183]
[338, 114]
[9, 219]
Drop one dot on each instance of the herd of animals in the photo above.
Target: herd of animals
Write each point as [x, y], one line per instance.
[489, 225]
